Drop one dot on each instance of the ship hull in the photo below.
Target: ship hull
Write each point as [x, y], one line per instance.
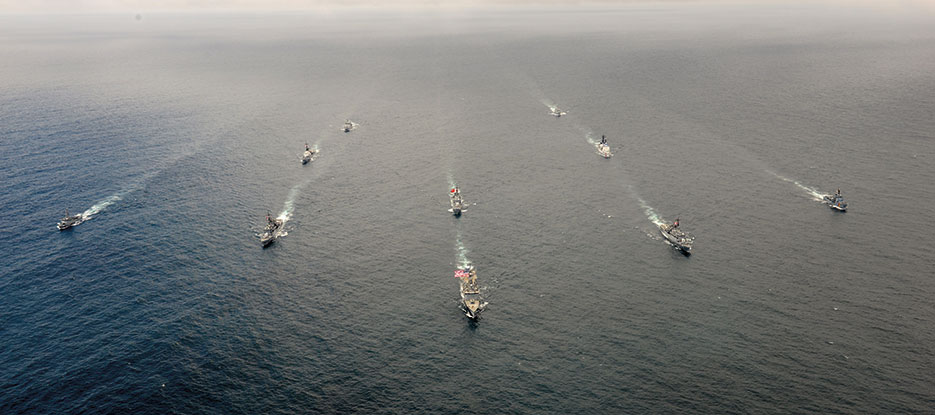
[471, 313]
[832, 203]
[471, 302]
[604, 152]
[63, 226]
[675, 242]
[270, 236]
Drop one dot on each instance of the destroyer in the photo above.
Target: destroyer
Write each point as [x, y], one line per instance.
[676, 237]
[836, 201]
[272, 230]
[68, 221]
[557, 112]
[307, 156]
[603, 148]
[348, 126]
[471, 302]
[457, 203]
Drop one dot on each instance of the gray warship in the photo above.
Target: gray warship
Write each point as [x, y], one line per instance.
[676, 237]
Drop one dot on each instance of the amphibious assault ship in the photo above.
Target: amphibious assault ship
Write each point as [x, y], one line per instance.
[471, 302]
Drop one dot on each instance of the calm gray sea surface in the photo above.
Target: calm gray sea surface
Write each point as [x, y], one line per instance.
[177, 133]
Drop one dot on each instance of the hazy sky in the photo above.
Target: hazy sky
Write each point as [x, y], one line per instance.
[82, 6]
[259, 5]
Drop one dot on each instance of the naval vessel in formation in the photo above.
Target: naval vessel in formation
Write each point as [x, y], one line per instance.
[68, 221]
[471, 302]
[307, 156]
[676, 237]
[836, 201]
[457, 202]
[603, 148]
[272, 230]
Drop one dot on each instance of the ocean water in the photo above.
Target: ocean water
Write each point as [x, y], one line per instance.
[177, 133]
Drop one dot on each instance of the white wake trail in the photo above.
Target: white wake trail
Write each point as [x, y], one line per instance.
[463, 261]
[451, 181]
[815, 194]
[103, 204]
[650, 212]
[547, 102]
[590, 137]
[289, 206]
